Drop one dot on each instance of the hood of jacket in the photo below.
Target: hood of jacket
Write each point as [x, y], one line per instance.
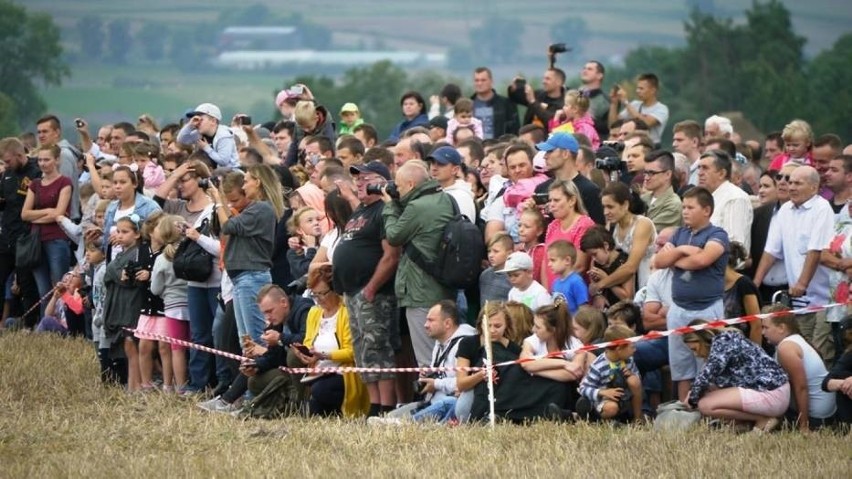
[460, 185]
[464, 330]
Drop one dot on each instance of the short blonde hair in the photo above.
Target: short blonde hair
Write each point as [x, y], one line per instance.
[305, 112]
[798, 129]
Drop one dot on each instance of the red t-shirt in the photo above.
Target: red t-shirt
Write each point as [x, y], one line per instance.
[48, 197]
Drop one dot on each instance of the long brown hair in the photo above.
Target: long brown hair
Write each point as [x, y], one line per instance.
[558, 320]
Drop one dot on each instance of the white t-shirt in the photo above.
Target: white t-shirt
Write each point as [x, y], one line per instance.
[539, 348]
[657, 110]
[330, 241]
[326, 341]
[534, 297]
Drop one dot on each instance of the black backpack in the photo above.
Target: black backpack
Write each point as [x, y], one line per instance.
[462, 249]
[191, 261]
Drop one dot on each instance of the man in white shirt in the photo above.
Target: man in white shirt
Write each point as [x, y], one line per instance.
[802, 228]
[445, 165]
[732, 211]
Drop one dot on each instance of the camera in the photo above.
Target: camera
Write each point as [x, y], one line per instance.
[131, 269]
[389, 188]
[204, 183]
[297, 89]
[618, 146]
[610, 164]
[244, 120]
[557, 48]
[520, 84]
[541, 198]
[80, 123]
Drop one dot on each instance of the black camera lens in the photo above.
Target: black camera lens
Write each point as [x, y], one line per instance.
[558, 48]
[389, 188]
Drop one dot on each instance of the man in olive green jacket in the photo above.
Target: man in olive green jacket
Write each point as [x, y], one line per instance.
[418, 219]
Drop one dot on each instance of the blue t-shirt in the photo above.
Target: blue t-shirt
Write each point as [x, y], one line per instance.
[574, 289]
[698, 289]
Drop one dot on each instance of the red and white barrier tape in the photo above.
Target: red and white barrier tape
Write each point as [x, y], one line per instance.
[589, 347]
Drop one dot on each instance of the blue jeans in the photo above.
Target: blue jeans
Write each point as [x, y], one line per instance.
[249, 318]
[56, 261]
[442, 410]
[202, 309]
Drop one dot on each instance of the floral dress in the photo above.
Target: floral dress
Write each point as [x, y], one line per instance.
[838, 281]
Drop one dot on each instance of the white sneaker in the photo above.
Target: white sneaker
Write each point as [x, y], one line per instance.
[384, 421]
[217, 404]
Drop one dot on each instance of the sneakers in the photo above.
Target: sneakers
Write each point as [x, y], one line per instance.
[555, 413]
[584, 408]
[217, 404]
[384, 421]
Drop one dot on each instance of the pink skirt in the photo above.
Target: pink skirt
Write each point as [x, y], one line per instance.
[766, 403]
[151, 324]
[177, 329]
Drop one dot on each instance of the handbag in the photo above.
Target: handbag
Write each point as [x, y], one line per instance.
[675, 416]
[28, 246]
[191, 261]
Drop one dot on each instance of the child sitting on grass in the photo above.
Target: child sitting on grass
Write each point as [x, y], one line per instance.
[611, 388]
[561, 257]
[492, 285]
[525, 289]
[599, 245]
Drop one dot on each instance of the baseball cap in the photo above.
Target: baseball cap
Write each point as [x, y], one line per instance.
[349, 107]
[206, 109]
[561, 140]
[374, 166]
[445, 155]
[517, 261]
[283, 96]
[606, 152]
[439, 121]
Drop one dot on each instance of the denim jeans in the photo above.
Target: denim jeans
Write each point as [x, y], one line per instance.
[56, 261]
[441, 410]
[249, 318]
[202, 309]
[225, 339]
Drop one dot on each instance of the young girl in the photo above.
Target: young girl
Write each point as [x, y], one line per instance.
[798, 140]
[521, 317]
[589, 325]
[552, 332]
[173, 294]
[531, 231]
[598, 244]
[463, 118]
[146, 155]
[575, 118]
[306, 229]
[125, 284]
[152, 316]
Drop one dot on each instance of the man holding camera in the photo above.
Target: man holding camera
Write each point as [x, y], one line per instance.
[364, 264]
[415, 216]
[541, 104]
[204, 129]
[592, 76]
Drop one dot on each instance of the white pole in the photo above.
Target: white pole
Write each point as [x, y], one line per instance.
[489, 366]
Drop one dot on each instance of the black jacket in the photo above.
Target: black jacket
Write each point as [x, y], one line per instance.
[13, 193]
[297, 323]
[506, 119]
[536, 111]
[324, 128]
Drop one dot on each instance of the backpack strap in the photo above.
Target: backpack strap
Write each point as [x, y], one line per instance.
[415, 254]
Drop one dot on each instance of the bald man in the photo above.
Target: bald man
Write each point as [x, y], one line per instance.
[801, 229]
[416, 220]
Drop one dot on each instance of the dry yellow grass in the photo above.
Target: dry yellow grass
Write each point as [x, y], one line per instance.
[58, 421]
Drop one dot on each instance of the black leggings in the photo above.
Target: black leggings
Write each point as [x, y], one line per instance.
[327, 395]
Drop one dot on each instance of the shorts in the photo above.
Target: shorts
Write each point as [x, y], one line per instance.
[177, 329]
[373, 331]
[152, 325]
[684, 365]
[766, 403]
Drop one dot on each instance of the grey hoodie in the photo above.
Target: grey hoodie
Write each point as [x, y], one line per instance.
[461, 192]
[223, 149]
[446, 386]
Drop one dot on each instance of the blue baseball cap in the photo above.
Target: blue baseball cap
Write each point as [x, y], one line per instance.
[374, 166]
[445, 155]
[563, 141]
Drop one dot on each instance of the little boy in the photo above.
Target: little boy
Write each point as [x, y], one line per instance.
[463, 117]
[525, 290]
[561, 256]
[612, 386]
[493, 286]
[598, 244]
[350, 117]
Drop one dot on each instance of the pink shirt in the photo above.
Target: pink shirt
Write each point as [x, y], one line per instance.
[573, 235]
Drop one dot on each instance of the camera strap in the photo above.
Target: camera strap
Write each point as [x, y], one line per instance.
[442, 355]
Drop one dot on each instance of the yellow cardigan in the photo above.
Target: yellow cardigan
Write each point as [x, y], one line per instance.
[356, 400]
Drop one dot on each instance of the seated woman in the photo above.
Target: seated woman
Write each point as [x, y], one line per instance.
[518, 395]
[810, 406]
[839, 379]
[328, 344]
[739, 380]
[553, 331]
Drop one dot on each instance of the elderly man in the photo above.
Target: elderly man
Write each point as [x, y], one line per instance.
[415, 219]
[204, 129]
[717, 127]
[732, 211]
[802, 228]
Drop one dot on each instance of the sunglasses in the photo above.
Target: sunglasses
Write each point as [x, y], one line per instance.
[779, 177]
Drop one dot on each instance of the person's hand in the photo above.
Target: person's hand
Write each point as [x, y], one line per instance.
[434, 100]
[530, 93]
[593, 288]
[597, 274]
[295, 243]
[192, 234]
[483, 374]
[251, 133]
[613, 94]
[846, 387]
[248, 369]
[369, 293]
[81, 125]
[113, 239]
[271, 337]
[797, 290]
[346, 191]
[307, 94]
[310, 241]
[559, 115]
[92, 234]
[59, 218]
[215, 195]
[143, 275]
[124, 277]
[428, 385]
[575, 369]
[306, 360]
[385, 196]
[613, 394]
[626, 371]
[59, 290]
[528, 204]
[622, 95]
[195, 122]
[202, 143]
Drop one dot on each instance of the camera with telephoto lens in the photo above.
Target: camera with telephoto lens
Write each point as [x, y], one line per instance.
[557, 48]
[610, 164]
[389, 188]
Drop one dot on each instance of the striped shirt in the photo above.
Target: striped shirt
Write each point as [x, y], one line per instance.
[601, 373]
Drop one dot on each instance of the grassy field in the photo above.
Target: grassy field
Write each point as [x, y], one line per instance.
[58, 421]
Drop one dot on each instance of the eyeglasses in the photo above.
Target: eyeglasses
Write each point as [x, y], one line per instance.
[649, 173]
[321, 294]
[779, 177]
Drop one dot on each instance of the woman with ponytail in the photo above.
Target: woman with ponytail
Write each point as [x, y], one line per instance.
[553, 332]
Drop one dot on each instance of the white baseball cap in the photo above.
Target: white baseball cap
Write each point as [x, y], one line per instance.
[517, 261]
[206, 109]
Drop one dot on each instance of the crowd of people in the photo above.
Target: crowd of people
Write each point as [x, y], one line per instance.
[311, 242]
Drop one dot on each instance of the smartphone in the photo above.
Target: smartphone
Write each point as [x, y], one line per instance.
[80, 123]
[297, 89]
[541, 198]
[244, 120]
[304, 349]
